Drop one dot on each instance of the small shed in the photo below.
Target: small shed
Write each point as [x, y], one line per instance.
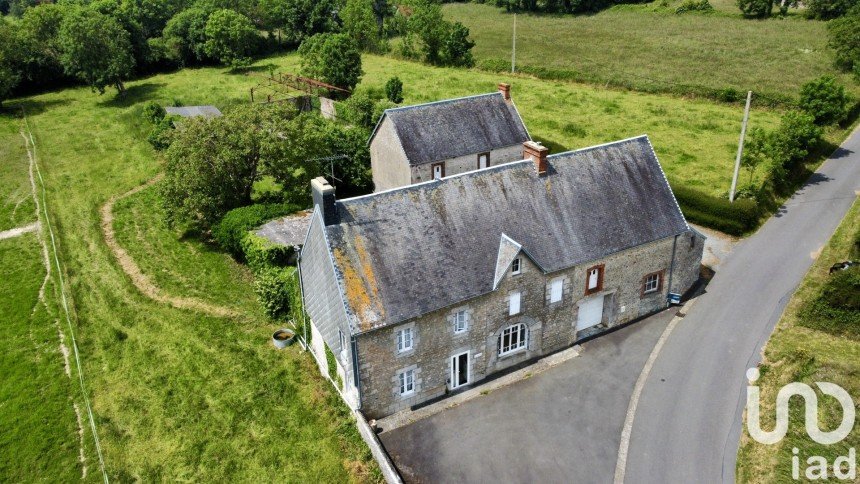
[289, 231]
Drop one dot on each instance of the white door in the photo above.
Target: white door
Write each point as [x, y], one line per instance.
[483, 160]
[590, 313]
[437, 172]
[459, 370]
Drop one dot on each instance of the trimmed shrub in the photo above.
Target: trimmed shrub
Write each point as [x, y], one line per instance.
[274, 288]
[162, 133]
[230, 231]
[394, 90]
[755, 8]
[153, 112]
[718, 213]
[825, 100]
[262, 254]
[694, 6]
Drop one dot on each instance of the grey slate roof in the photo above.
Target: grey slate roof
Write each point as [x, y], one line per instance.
[402, 253]
[290, 230]
[456, 127]
[193, 111]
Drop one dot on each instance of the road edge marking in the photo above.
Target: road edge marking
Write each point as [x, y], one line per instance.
[627, 430]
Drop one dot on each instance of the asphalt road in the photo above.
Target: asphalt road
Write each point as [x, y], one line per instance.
[688, 423]
[562, 425]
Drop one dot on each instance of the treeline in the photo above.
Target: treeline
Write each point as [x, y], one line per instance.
[103, 43]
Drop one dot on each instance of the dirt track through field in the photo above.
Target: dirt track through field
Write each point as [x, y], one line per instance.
[140, 280]
[8, 234]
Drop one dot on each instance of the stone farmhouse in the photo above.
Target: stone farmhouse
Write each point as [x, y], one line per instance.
[427, 289]
[413, 144]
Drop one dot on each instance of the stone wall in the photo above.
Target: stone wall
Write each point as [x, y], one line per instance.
[551, 326]
[387, 159]
[462, 164]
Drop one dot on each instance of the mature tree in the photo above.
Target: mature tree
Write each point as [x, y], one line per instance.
[123, 15]
[152, 15]
[332, 58]
[38, 46]
[18, 7]
[185, 35]
[96, 49]
[360, 23]
[755, 8]
[786, 147]
[457, 49]
[293, 159]
[825, 100]
[382, 10]
[394, 90]
[231, 38]
[8, 76]
[429, 27]
[212, 163]
[845, 40]
[298, 20]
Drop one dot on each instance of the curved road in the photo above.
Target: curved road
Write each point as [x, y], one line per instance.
[688, 421]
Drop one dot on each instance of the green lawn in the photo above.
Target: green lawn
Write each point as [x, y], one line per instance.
[16, 202]
[647, 50]
[39, 440]
[803, 354]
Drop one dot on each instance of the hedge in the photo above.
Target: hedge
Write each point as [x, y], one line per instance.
[275, 288]
[732, 218]
[230, 231]
[261, 253]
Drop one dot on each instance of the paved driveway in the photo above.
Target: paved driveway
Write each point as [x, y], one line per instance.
[563, 425]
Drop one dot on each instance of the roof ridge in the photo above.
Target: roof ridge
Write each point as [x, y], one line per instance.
[442, 101]
[601, 145]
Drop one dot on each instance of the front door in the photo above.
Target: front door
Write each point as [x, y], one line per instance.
[438, 171]
[459, 370]
[590, 313]
[483, 160]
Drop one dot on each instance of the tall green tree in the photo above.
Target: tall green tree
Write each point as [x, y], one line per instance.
[231, 38]
[298, 20]
[185, 35]
[332, 58]
[429, 27]
[457, 48]
[152, 15]
[844, 35]
[95, 49]
[825, 100]
[8, 76]
[359, 22]
[37, 44]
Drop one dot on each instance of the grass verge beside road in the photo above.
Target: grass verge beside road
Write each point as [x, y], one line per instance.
[798, 353]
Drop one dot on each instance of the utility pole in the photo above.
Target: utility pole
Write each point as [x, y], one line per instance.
[514, 50]
[740, 148]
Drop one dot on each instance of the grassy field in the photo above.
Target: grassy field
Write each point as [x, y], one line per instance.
[798, 353]
[661, 51]
[39, 441]
[177, 395]
[16, 203]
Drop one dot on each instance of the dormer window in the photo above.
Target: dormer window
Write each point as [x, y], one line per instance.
[516, 266]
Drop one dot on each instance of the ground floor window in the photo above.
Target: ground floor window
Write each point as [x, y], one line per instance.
[407, 382]
[513, 338]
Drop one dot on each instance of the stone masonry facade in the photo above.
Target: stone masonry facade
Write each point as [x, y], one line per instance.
[551, 326]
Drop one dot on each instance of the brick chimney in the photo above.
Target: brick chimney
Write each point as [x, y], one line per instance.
[324, 200]
[505, 89]
[537, 153]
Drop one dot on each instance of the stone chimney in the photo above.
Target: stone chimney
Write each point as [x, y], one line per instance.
[537, 153]
[505, 89]
[324, 200]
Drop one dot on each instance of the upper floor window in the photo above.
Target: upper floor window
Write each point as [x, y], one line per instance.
[514, 303]
[594, 279]
[556, 289]
[516, 266]
[438, 170]
[407, 382]
[513, 338]
[404, 340]
[461, 321]
[652, 283]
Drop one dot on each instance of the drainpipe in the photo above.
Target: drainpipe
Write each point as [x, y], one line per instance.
[355, 375]
[671, 269]
[302, 292]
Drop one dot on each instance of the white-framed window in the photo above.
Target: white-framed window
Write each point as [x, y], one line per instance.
[513, 338]
[652, 282]
[556, 290]
[461, 321]
[516, 266]
[514, 303]
[593, 278]
[406, 378]
[404, 340]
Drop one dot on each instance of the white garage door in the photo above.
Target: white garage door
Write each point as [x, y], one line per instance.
[590, 313]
